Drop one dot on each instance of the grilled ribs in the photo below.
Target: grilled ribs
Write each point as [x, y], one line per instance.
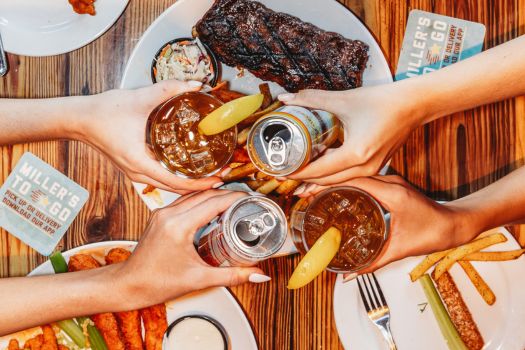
[281, 48]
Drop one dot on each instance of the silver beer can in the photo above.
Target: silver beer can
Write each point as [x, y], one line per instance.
[251, 230]
[285, 140]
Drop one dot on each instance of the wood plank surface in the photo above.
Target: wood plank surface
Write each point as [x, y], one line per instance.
[446, 159]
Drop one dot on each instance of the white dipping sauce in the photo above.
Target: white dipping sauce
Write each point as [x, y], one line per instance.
[195, 334]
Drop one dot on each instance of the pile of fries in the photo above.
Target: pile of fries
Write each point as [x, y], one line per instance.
[464, 255]
[242, 169]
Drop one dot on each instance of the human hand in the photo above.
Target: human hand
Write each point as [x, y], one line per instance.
[418, 225]
[376, 121]
[165, 263]
[117, 128]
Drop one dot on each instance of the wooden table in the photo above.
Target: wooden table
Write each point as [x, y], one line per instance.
[446, 159]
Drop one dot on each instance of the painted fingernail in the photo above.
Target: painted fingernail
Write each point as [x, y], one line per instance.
[349, 277]
[226, 171]
[258, 278]
[217, 185]
[299, 190]
[286, 97]
[194, 83]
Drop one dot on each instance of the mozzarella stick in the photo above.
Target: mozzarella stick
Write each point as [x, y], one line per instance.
[105, 322]
[155, 325]
[128, 321]
[50, 339]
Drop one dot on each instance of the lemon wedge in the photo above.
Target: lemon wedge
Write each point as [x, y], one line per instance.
[230, 114]
[317, 259]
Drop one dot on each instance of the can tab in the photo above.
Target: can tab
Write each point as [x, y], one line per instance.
[277, 138]
[250, 228]
[277, 151]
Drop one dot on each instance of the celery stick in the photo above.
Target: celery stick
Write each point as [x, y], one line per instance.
[74, 331]
[95, 339]
[58, 262]
[448, 330]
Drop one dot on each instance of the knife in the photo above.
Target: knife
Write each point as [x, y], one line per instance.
[3, 59]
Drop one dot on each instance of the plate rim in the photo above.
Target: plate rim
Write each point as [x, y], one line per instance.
[80, 44]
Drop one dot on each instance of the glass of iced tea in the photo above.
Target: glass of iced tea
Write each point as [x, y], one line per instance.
[173, 136]
[355, 213]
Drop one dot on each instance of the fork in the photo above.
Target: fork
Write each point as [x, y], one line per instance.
[376, 306]
[3, 60]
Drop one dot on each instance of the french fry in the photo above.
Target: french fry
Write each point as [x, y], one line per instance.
[234, 165]
[287, 186]
[255, 184]
[269, 186]
[251, 119]
[483, 288]
[265, 90]
[465, 250]
[242, 136]
[262, 176]
[494, 256]
[427, 263]
[240, 172]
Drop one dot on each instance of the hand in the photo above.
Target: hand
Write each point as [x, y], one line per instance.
[376, 121]
[165, 263]
[117, 127]
[418, 225]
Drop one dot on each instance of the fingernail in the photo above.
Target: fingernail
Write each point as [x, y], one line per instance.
[226, 171]
[281, 178]
[258, 278]
[299, 190]
[286, 97]
[194, 83]
[217, 185]
[349, 277]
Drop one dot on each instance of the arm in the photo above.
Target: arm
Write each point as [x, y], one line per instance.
[377, 120]
[163, 266]
[421, 226]
[114, 122]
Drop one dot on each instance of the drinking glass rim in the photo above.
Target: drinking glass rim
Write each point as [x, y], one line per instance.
[381, 210]
[149, 142]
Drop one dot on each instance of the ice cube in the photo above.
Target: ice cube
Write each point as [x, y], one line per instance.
[202, 160]
[337, 204]
[355, 251]
[187, 116]
[176, 155]
[315, 220]
[165, 133]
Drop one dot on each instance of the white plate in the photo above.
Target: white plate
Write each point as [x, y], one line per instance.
[51, 27]
[217, 303]
[501, 324]
[178, 20]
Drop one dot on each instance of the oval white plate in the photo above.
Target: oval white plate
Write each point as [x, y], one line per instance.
[501, 324]
[217, 303]
[178, 20]
[51, 27]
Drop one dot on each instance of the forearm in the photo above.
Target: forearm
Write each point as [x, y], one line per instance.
[33, 301]
[27, 120]
[490, 76]
[501, 203]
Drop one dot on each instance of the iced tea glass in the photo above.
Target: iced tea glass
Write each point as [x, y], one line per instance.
[172, 134]
[355, 213]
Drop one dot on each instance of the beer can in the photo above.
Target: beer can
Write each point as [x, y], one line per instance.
[288, 138]
[251, 230]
